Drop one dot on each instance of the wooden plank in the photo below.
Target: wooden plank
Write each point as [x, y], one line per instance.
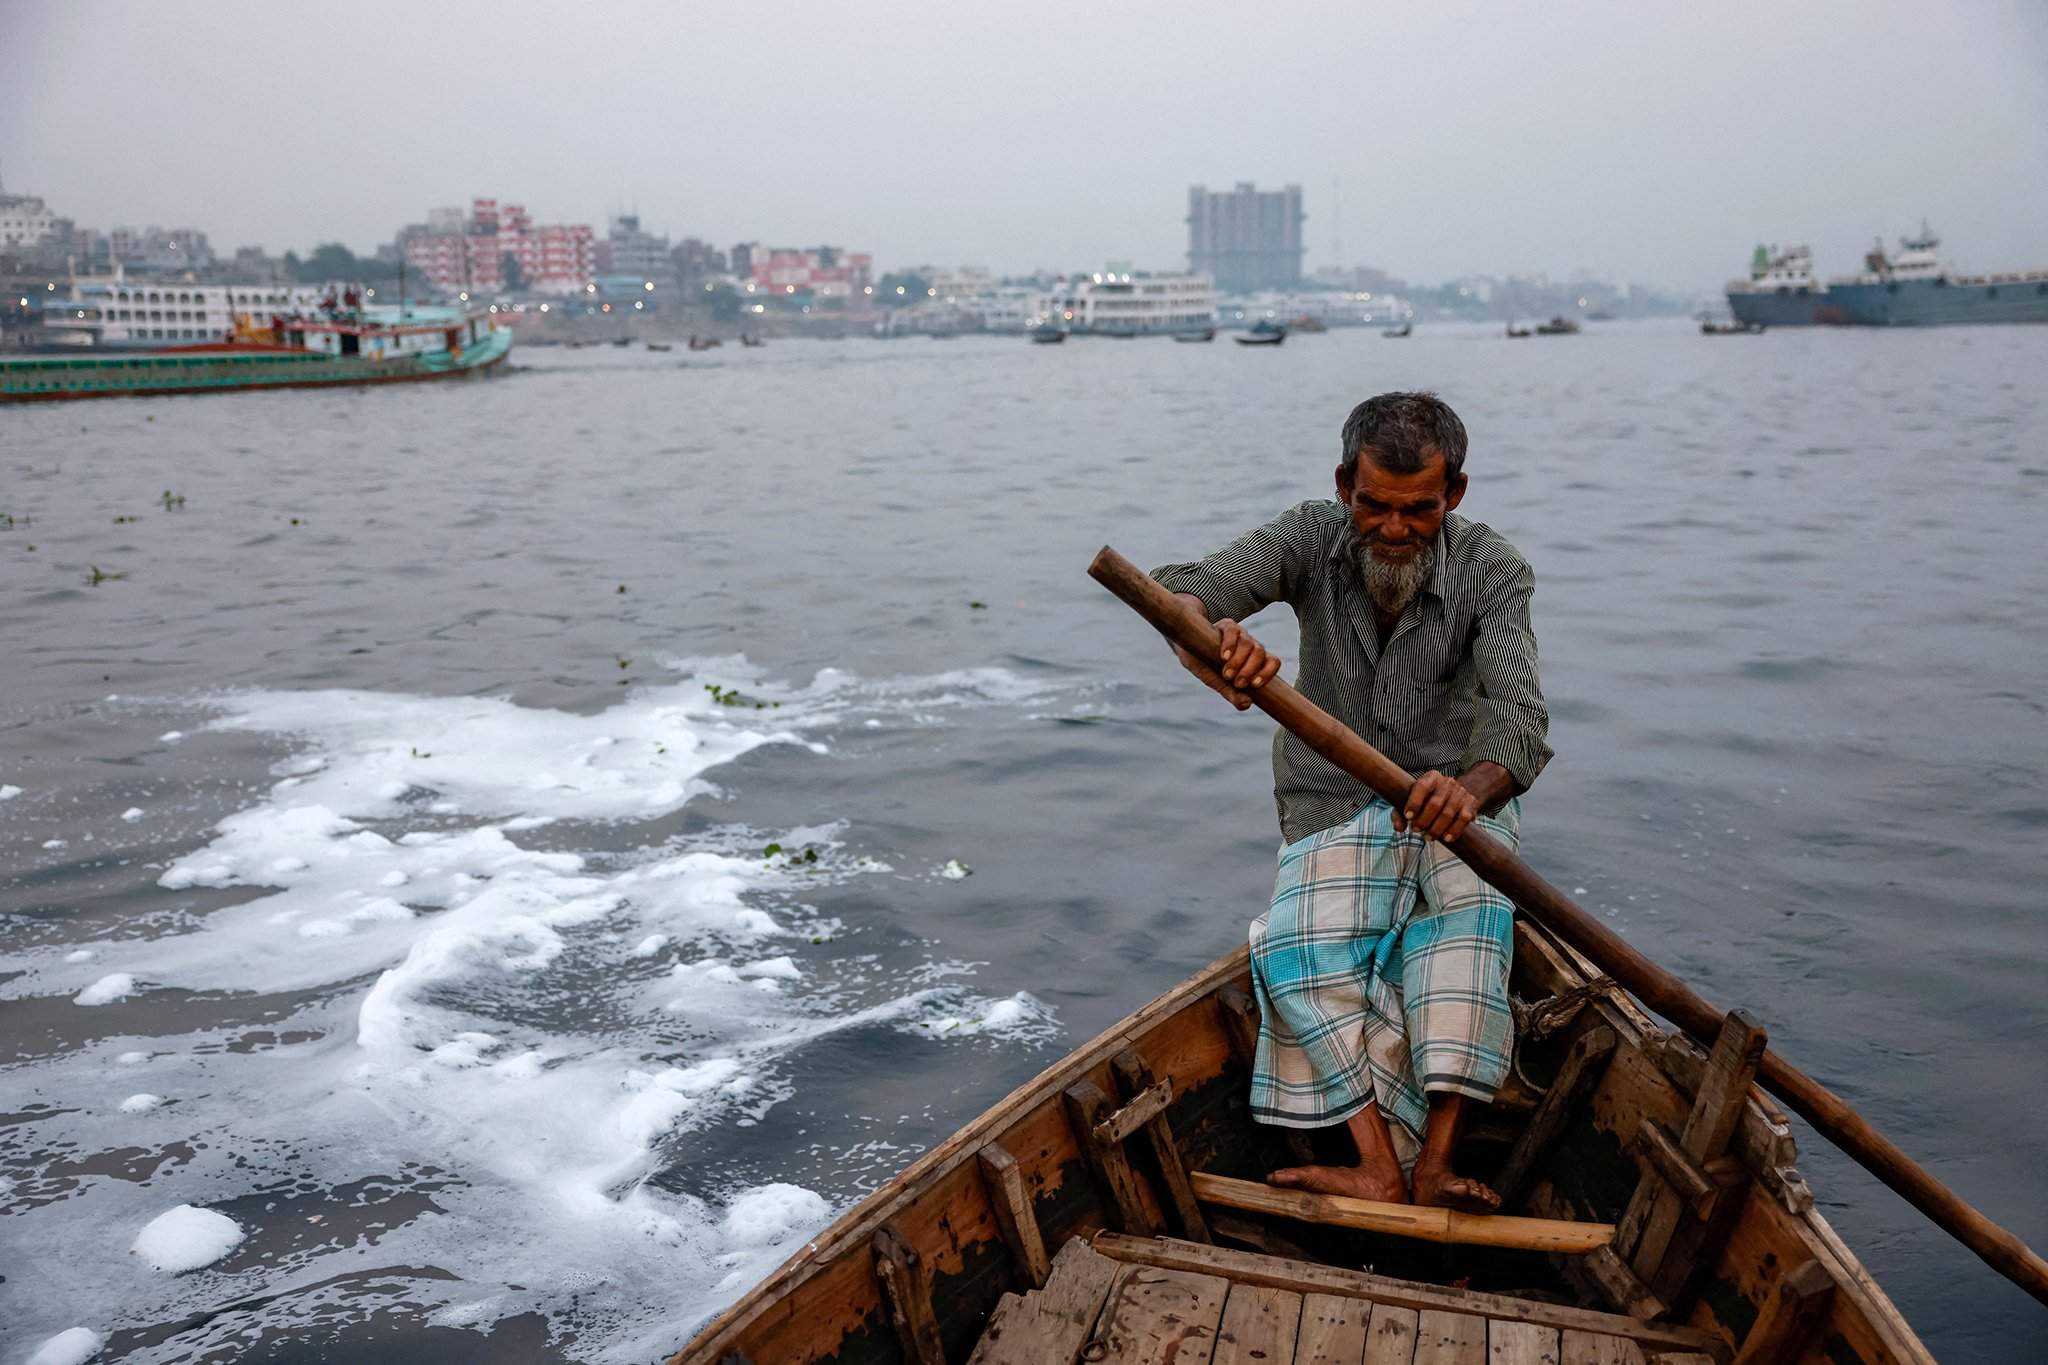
[1598, 1275]
[1403, 1220]
[1134, 1075]
[1679, 1358]
[1587, 1348]
[1012, 1206]
[1793, 1317]
[1654, 1210]
[1141, 1109]
[1086, 1107]
[1159, 1317]
[1307, 1277]
[1443, 1338]
[1655, 1145]
[1520, 1343]
[908, 1294]
[1258, 1326]
[1333, 1330]
[1052, 1325]
[1391, 1338]
[1581, 1068]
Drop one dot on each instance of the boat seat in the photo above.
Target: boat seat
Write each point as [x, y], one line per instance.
[1122, 1299]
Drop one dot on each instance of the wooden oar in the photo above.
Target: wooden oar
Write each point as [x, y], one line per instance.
[1831, 1115]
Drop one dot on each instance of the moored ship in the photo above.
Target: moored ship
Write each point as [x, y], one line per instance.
[1909, 288]
[1914, 288]
[1781, 291]
[340, 342]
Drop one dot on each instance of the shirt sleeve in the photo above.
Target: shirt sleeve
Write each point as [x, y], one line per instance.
[1261, 567]
[1511, 723]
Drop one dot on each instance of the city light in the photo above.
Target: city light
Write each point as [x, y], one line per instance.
[933, 292]
[543, 308]
[649, 286]
[464, 296]
[899, 288]
[789, 288]
[607, 308]
[869, 290]
[590, 289]
[637, 304]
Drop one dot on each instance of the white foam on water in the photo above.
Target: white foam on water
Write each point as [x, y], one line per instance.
[436, 959]
[105, 991]
[8, 793]
[72, 1346]
[186, 1238]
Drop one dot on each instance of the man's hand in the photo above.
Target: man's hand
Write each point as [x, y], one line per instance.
[1438, 806]
[1246, 665]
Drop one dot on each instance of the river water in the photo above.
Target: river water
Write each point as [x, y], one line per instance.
[385, 853]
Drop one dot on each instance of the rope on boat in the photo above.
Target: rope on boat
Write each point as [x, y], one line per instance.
[1538, 1019]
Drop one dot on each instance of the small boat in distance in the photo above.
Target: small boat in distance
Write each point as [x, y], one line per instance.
[660, 346]
[1047, 336]
[1515, 332]
[1206, 334]
[622, 341]
[1712, 328]
[749, 339]
[1403, 330]
[697, 343]
[1305, 322]
[1557, 327]
[1265, 333]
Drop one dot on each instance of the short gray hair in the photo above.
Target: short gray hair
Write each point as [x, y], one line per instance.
[1400, 429]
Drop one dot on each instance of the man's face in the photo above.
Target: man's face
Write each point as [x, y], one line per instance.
[1398, 516]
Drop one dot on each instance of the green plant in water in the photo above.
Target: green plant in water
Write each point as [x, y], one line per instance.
[978, 606]
[126, 520]
[100, 576]
[172, 501]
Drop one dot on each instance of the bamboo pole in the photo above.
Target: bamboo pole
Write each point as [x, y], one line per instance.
[1403, 1220]
[1657, 988]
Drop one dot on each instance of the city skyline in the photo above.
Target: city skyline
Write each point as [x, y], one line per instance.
[1658, 148]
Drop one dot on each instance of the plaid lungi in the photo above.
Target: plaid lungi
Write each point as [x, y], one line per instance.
[1382, 974]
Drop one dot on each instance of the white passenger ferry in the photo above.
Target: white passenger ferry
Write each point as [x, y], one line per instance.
[1132, 303]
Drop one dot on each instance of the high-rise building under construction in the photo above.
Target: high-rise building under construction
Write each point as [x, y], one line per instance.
[1247, 238]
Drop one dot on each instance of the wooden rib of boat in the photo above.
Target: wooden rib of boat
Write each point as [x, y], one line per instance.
[1110, 1210]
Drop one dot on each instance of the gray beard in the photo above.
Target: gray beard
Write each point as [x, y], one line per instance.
[1391, 586]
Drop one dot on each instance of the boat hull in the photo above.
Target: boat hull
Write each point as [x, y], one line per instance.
[827, 1302]
[1788, 307]
[51, 378]
[1940, 303]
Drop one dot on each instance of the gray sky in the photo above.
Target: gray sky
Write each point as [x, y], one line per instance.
[1657, 142]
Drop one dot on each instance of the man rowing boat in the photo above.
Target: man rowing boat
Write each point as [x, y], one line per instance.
[1382, 965]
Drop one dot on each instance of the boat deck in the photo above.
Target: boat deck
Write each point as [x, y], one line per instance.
[1120, 1300]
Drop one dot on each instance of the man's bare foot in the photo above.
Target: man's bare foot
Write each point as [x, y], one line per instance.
[1359, 1182]
[1440, 1187]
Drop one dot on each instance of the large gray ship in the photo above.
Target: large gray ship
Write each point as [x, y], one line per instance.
[1911, 288]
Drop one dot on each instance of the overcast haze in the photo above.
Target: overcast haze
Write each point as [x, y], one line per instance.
[1655, 143]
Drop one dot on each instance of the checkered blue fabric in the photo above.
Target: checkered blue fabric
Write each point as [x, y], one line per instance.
[1382, 974]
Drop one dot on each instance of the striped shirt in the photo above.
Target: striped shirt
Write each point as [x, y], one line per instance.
[1454, 686]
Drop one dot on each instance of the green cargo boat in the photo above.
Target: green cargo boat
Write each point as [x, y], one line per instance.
[370, 345]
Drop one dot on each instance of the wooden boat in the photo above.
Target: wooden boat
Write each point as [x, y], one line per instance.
[1047, 336]
[1263, 334]
[1403, 330]
[1708, 327]
[1109, 1210]
[1557, 327]
[660, 346]
[749, 340]
[703, 343]
[1206, 334]
[1515, 333]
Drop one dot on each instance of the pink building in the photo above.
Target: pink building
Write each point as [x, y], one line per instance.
[556, 258]
[825, 273]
